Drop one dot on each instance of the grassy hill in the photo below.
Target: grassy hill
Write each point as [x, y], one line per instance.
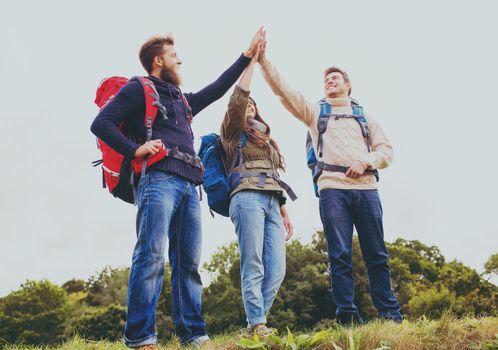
[444, 334]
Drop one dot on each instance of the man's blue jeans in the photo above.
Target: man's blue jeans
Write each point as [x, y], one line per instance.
[168, 209]
[261, 236]
[339, 211]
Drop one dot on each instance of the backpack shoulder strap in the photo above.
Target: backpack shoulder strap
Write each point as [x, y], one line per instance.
[323, 119]
[239, 156]
[151, 104]
[359, 116]
[188, 109]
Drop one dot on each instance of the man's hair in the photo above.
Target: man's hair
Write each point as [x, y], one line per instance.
[152, 48]
[339, 70]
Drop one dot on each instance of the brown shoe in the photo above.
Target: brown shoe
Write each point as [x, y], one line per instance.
[147, 347]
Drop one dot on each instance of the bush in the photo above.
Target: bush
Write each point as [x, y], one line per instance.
[110, 286]
[35, 314]
[74, 286]
[103, 323]
[434, 302]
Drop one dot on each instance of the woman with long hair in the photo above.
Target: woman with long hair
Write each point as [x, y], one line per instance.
[257, 209]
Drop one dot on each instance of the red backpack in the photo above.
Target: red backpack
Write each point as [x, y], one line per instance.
[120, 174]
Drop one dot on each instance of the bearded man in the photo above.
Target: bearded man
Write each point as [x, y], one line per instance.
[167, 200]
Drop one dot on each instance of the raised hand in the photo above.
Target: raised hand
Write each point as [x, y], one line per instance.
[262, 48]
[253, 45]
[255, 57]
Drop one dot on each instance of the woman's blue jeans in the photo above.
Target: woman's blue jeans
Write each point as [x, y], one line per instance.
[261, 236]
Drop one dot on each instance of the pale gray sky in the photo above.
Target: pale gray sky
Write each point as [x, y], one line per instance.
[426, 70]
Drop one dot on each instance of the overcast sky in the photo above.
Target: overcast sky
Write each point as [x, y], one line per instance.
[426, 70]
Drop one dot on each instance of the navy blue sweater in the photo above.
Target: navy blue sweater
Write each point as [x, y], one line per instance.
[129, 106]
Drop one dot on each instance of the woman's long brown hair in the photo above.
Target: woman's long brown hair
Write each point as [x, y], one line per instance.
[263, 140]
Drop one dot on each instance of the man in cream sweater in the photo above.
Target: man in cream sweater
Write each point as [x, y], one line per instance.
[347, 198]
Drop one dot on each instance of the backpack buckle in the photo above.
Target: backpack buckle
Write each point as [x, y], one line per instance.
[322, 124]
[262, 179]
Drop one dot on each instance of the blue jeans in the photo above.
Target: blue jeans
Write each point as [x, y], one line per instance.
[261, 236]
[339, 211]
[168, 208]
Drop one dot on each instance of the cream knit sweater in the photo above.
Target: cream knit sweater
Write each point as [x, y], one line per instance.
[343, 142]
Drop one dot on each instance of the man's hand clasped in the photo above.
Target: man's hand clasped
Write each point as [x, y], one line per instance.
[149, 148]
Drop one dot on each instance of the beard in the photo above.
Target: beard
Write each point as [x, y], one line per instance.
[171, 76]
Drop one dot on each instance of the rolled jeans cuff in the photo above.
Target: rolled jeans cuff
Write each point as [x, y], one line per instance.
[150, 340]
[257, 320]
[197, 340]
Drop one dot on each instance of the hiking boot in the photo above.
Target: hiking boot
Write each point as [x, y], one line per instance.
[147, 347]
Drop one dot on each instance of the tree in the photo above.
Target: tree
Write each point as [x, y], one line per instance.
[74, 286]
[433, 302]
[34, 314]
[103, 323]
[304, 297]
[105, 305]
[222, 301]
[421, 276]
[110, 286]
[491, 265]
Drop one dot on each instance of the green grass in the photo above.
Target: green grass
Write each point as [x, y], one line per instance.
[448, 333]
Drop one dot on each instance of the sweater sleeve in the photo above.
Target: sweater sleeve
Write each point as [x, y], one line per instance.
[382, 150]
[235, 116]
[214, 91]
[129, 102]
[291, 99]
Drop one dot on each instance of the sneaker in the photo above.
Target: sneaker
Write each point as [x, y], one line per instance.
[263, 331]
